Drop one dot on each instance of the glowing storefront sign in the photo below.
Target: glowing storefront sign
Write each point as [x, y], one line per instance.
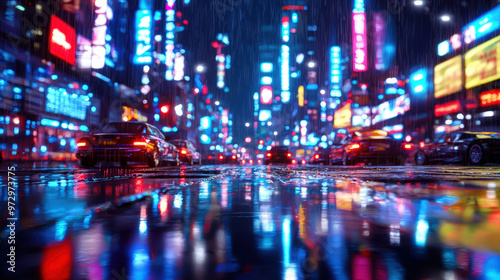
[361, 116]
[266, 67]
[266, 94]
[447, 108]
[342, 117]
[418, 81]
[490, 97]
[285, 68]
[83, 52]
[62, 40]
[59, 101]
[335, 72]
[300, 96]
[482, 64]
[448, 77]
[143, 46]
[360, 51]
[220, 58]
[482, 26]
[169, 39]
[391, 109]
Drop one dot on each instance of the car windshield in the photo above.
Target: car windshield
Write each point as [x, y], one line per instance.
[121, 128]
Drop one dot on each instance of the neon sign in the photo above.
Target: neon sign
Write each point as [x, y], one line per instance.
[170, 37]
[490, 97]
[444, 48]
[391, 109]
[220, 58]
[178, 67]
[335, 72]
[285, 68]
[285, 29]
[266, 94]
[102, 15]
[447, 108]
[482, 26]
[360, 57]
[143, 47]
[379, 26]
[62, 40]
[59, 101]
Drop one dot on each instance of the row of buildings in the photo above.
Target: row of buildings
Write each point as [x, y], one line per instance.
[66, 66]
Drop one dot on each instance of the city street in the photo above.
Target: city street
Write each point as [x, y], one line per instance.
[257, 222]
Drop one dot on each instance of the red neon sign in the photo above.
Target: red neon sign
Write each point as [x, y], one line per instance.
[490, 97]
[62, 40]
[266, 94]
[447, 108]
[293, 7]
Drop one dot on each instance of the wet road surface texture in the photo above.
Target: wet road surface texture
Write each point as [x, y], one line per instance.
[256, 222]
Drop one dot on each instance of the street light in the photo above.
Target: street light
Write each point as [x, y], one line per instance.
[217, 103]
[445, 18]
[200, 68]
[322, 91]
[311, 64]
[418, 2]
[247, 124]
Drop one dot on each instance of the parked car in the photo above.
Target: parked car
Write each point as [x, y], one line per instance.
[188, 153]
[372, 147]
[228, 158]
[321, 156]
[278, 154]
[474, 148]
[125, 142]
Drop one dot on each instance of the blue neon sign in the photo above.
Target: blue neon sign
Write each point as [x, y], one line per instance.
[482, 26]
[444, 48]
[418, 81]
[143, 47]
[335, 72]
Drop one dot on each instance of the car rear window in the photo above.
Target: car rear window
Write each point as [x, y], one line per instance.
[121, 128]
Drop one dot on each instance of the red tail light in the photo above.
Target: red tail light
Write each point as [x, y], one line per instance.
[268, 154]
[221, 157]
[81, 144]
[289, 155]
[408, 146]
[234, 157]
[316, 156]
[421, 144]
[354, 146]
[243, 161]
[251, 161]
[140, 143]
[303, 161]
[183, 152]
[294, 161]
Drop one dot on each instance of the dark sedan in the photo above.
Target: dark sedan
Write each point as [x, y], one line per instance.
[126, 142]
[188, 154]
[474, 148]
[278, 154]
[374, 147]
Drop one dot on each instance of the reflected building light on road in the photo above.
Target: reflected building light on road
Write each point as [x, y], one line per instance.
[286, 229]
[421, 232]
[395, 235]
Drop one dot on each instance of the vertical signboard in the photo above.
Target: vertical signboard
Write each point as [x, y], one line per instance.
[170, 39]
[142, 54]
[62, 40]
[379, 30]
[335, 72]
[359, 42]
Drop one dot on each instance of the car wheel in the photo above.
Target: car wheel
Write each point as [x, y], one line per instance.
[420, 158]
[154, 161]
[87, 163]
[476, 154]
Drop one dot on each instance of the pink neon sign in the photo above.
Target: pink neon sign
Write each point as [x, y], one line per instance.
[360, 50]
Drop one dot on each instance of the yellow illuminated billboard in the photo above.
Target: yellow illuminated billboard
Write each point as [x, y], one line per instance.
[448, 77]
[342, 117]
[482, 63]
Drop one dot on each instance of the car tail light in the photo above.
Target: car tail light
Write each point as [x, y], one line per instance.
[140, 143]
[353, 147]
[408, 146]
[421, 144]
[251, 161]
[81, 144]
[221, 157]
[209, 157]
[234, 157]
[316, 156]
[243, 161]
[183, 152]
[289, 155]
[268, 154]
[294, 161]
[303, 161]
[259, 161]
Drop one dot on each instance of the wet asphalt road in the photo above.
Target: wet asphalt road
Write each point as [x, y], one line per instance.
[256, 222]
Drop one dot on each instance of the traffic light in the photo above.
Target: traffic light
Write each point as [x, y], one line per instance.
[164, 109]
